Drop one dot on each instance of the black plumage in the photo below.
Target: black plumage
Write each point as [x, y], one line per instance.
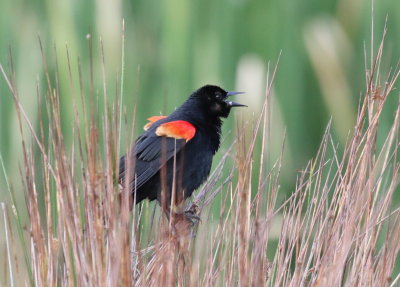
[152, 162]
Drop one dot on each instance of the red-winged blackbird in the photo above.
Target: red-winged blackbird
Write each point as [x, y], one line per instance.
[192, 132]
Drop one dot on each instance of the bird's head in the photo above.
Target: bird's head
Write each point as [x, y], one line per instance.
[214, 101]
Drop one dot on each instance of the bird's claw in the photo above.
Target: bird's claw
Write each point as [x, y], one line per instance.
[192, 217]
[188, 219]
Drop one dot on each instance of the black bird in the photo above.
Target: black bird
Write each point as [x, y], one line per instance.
[192, 133]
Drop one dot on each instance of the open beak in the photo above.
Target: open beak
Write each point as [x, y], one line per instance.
[234, 104]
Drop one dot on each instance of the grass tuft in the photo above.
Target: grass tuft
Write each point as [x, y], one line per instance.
[339, 227]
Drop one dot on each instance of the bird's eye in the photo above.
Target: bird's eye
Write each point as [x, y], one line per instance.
[218, 95]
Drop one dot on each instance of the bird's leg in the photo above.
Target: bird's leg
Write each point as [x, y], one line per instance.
[176, 215]
[191, 214]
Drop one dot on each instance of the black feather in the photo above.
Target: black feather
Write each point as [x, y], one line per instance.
[151, 153]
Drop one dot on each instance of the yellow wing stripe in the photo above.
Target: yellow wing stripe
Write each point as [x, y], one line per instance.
[152, 120]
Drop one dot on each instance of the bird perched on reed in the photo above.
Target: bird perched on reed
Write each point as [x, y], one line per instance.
[173, 157]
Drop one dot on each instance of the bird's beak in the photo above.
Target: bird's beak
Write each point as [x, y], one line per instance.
[234, 104]
[228, 94]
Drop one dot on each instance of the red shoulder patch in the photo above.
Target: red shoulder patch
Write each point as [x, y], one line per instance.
[177, 129]
[152, 120]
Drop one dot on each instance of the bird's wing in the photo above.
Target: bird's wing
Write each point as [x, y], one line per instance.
[152, 120]
[154, 148]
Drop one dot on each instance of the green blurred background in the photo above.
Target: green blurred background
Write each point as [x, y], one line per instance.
[173, 47]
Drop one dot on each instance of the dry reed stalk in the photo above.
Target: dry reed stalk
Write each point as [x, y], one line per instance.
[339, 227]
